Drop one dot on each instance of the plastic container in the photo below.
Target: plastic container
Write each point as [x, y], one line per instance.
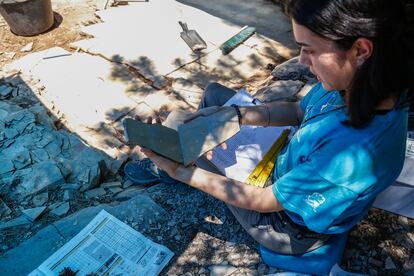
[27, 17]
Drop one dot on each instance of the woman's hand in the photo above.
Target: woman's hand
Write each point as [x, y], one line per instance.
[165, 164]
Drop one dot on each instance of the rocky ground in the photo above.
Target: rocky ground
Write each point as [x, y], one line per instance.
[69, 178]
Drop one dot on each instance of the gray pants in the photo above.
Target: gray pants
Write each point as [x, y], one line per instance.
[273, 230]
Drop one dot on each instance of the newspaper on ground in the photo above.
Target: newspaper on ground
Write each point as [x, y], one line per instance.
[107, 246]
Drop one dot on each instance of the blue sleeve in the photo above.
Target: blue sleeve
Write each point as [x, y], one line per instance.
[323, 188]
[305, 101]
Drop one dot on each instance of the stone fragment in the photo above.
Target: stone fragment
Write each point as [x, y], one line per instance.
[221, 270]
[375, 262]
[107, 185]
[22, 160]
[5, 91]
[33, 213]
[40, 199]
[130, 192]
[42, 117]
[127, 184]
[39, 155]
[261, 269]
[115, 190]
[9, 55]
[27, 48]
[279, 90]
[54, 205]
[61, 210]
[6, 165]
[291, 70]
[71, 186]
[35, 178]
[34, 250]
[11, 133]
[20, 221]
[20, 120]
[389, 264]
[95, 193]
[4, 209]
[68, 195]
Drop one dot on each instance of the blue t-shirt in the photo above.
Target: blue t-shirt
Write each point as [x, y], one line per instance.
[329, 174]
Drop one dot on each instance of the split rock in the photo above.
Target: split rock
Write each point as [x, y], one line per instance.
[33, 213]
[61, 210]
[35, 178]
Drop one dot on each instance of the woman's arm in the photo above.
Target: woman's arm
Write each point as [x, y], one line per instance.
[228, 190]
[272, 114]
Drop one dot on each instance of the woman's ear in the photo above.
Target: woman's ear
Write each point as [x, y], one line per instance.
[362, 50]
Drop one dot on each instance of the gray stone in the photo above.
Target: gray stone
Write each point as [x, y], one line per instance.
[130, 192]
[111, 184]
[11, 133]
[115, 190]
[261, 269]
[4, 209]
[54, 147]
[279, 90]
[291, 70]
[61, 210]
[39, 155]
[33, 213]
[375, 262]
[127, 184]
[82, 164]
[20, 221]
[6, 165]
[54, 205]
[36, 178]
[20, 120]
[68, 195]
[71, 186]
[40, 199]
[221, 270]
[95, 193]
[34, 250]
[5, 91]
[22, 160]
[140, 209]
[42, 117]
[389, 264]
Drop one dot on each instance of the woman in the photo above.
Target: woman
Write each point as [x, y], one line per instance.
[352, 126]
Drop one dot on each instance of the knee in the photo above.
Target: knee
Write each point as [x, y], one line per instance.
[213, 87]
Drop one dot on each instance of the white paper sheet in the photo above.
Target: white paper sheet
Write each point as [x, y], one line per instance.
[397, 199]
[246, 148]
[107, 246]
[407, 174]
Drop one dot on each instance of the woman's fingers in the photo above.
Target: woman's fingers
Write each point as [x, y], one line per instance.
[209, 154]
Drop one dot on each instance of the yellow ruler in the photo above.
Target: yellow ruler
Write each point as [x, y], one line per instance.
[261, 173]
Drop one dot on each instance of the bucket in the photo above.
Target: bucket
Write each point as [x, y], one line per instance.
[27, 17]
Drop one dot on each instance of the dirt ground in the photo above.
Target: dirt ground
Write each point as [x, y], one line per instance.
[69, 17]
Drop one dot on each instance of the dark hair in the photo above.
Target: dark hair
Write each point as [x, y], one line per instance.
[388, 24]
